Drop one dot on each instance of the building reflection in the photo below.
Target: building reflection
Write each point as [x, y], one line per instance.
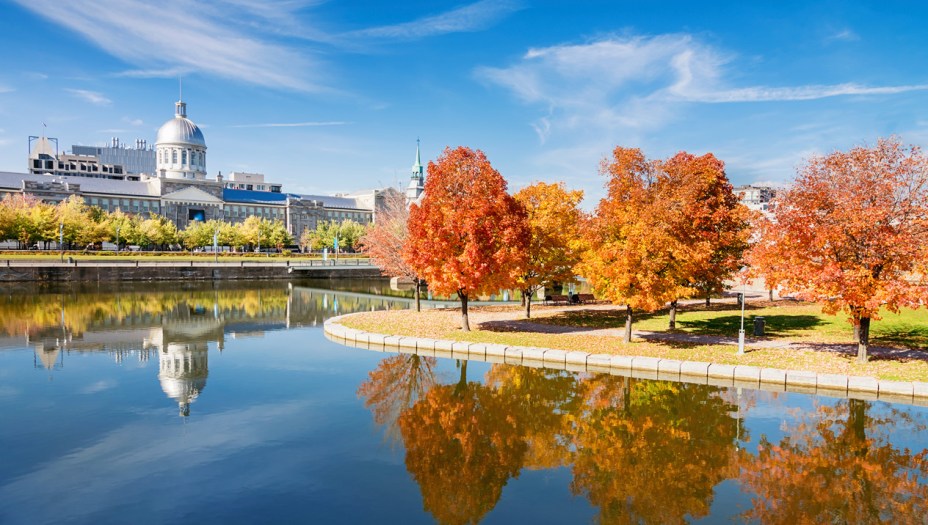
[178, 327]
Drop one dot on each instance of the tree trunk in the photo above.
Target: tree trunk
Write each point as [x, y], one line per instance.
[863, 341]
[418, 283]
[461, 385]
[465, 323]
[628, 324]
[708, 300]
[673, 315]
[527, 302]
[523, 300]
[770, 292]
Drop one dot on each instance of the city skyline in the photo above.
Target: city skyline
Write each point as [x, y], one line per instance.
[331, 97]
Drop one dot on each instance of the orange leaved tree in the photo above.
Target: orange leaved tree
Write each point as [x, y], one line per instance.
[385, 240]
[634, 258]
[705, 216]
[468, 236]
[555, 247]
[851, 232]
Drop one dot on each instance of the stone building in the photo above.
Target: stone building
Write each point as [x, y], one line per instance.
[179, 188]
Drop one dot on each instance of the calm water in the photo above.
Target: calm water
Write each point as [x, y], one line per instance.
[173, 403]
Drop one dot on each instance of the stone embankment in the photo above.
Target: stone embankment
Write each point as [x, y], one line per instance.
[737, 376]
[141, 270]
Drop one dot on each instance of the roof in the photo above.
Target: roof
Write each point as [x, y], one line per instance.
[334, 202]
[253, 197]
[87, 184]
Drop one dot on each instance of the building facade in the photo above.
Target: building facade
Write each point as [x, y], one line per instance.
[755, 197]
[178, 187]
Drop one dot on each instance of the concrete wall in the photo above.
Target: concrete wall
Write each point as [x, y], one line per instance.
[123, 272]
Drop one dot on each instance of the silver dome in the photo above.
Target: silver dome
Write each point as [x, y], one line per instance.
[180, 130]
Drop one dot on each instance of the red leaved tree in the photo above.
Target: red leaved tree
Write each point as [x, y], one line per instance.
[704, 215]
[468, 236]
[385, 240]
[851, 232]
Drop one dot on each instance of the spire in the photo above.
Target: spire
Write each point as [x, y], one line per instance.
[417, 167]
[180, 107]
[417, 180]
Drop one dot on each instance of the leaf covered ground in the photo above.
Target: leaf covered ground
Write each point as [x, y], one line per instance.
[798, 336]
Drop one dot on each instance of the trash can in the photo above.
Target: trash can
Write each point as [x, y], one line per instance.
[759, 324]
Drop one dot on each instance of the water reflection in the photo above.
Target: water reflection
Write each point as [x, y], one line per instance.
[461, 435]
[640, 451]
[177, 327]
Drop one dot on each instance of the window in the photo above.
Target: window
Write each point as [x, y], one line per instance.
[174, 156]
[183, 157]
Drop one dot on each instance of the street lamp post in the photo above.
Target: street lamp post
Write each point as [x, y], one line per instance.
[61, 239]
[741, 332]
[216, 245]
[117, 240]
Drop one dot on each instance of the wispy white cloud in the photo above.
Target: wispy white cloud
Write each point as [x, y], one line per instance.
[843, 35]
[94, 97]
[133, 121]
[99, 386]
[171, 72]
[292, 124]
[767, 94]
[633, 82]
[473, 17]
[5, 89]
[172, 35]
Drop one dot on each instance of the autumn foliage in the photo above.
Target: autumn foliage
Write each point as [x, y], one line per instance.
[851, 232]
[556, 247]
[666, 230]
[468, 236]
[385, 240]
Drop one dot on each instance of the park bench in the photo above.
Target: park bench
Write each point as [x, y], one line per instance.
[585, 298]
[556, 299]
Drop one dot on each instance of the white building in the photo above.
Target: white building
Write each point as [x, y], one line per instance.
[755, 197]
[180, 149]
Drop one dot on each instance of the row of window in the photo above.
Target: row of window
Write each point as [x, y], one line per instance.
[353, 215]
[126, 205]
[72, 166]
[196, 158]
[260, 211]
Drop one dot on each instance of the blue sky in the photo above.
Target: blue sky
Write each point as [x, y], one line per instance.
[328, 97]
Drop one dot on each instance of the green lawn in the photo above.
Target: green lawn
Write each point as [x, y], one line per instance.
[783, 319]
[794, 322]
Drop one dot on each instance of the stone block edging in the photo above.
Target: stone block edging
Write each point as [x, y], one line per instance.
[772, 379]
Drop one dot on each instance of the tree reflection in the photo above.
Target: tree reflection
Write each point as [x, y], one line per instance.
[651, 451]
[394, 386]
[837, 465]
[641, 451]
[463, 443]
[543, 401]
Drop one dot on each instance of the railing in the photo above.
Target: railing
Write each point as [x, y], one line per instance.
[142, 263]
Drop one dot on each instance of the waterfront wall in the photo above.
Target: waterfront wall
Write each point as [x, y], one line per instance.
[728, 376]
[147, 271]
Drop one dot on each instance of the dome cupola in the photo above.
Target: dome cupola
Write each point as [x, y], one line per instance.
[180, 148]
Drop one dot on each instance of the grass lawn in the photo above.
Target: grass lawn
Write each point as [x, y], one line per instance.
[825, 341]
[795, 321]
